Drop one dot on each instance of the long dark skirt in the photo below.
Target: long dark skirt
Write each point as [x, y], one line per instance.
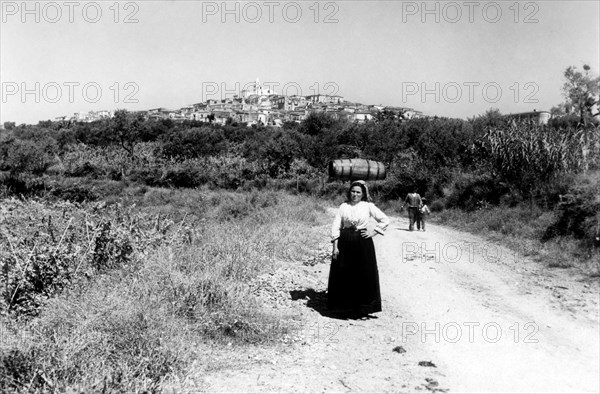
[353, 278]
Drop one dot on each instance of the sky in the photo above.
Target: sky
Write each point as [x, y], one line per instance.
[446, 58]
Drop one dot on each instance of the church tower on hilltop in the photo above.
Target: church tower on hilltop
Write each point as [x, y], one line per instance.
[257, 90]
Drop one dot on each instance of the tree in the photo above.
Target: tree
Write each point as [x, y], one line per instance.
[317, 138]
[32, 155]
[9, 125]
[316, 122]
[386, 114]
[275, 149]
[194, 142]
[127, 128]
[581, 91]
[490, 119]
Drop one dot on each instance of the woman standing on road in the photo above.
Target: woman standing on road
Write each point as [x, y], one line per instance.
[353, 287]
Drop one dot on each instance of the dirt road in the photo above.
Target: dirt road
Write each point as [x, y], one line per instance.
[459, 314]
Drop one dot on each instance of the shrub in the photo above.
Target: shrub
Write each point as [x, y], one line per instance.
[20, 185]
[16, 367]
[27, 156]
[437, 206]
[85, 169]
[579, 211]
[73, 192]
[182, 176]
[474, 191]
[194, 142]
[303, 184]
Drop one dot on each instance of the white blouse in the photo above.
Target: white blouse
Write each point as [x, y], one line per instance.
[358, 216]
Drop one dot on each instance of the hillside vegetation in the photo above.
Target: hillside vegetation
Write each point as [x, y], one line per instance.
[470, 165]
[128, 245]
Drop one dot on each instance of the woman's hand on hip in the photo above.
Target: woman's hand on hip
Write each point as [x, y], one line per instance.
[366, 233]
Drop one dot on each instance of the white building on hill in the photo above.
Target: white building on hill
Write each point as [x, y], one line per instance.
[258, 90]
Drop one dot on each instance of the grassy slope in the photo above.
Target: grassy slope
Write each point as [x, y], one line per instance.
[129, 329]
[522, 228]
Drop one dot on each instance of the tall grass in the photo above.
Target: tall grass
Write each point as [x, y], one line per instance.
[522, 228]
[131, 328]
[528, 156]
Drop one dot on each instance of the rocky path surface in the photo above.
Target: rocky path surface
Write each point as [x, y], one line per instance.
[460, 314]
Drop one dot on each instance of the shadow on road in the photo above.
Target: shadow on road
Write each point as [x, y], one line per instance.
[317, 300]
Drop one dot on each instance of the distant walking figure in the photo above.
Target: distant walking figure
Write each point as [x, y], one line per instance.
[423, 213]
[413, 200]
[353, 287]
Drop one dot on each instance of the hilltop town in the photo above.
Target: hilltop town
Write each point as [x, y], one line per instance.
[262, 106]
[259, 105]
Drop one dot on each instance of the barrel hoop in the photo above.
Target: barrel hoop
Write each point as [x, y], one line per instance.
[378, 170]
[368, 168]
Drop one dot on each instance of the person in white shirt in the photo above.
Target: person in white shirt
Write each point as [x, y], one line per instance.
[423, 213]
[353, 287]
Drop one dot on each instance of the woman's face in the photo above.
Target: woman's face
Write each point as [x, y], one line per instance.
[356, 194]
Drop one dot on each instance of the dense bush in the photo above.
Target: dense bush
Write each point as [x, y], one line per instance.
[20, 185]
[32, 156]
[194, 143]
[579, 211]
[274, 150]
[73, 192]
[471, 191]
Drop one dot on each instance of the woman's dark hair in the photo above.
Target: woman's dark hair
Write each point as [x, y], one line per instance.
[362, 187]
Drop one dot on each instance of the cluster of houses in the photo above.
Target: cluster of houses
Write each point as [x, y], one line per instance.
[259, 105]
[263, 106]
[87, 116]
[276, 109]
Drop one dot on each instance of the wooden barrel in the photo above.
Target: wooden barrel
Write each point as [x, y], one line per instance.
[355, 169]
